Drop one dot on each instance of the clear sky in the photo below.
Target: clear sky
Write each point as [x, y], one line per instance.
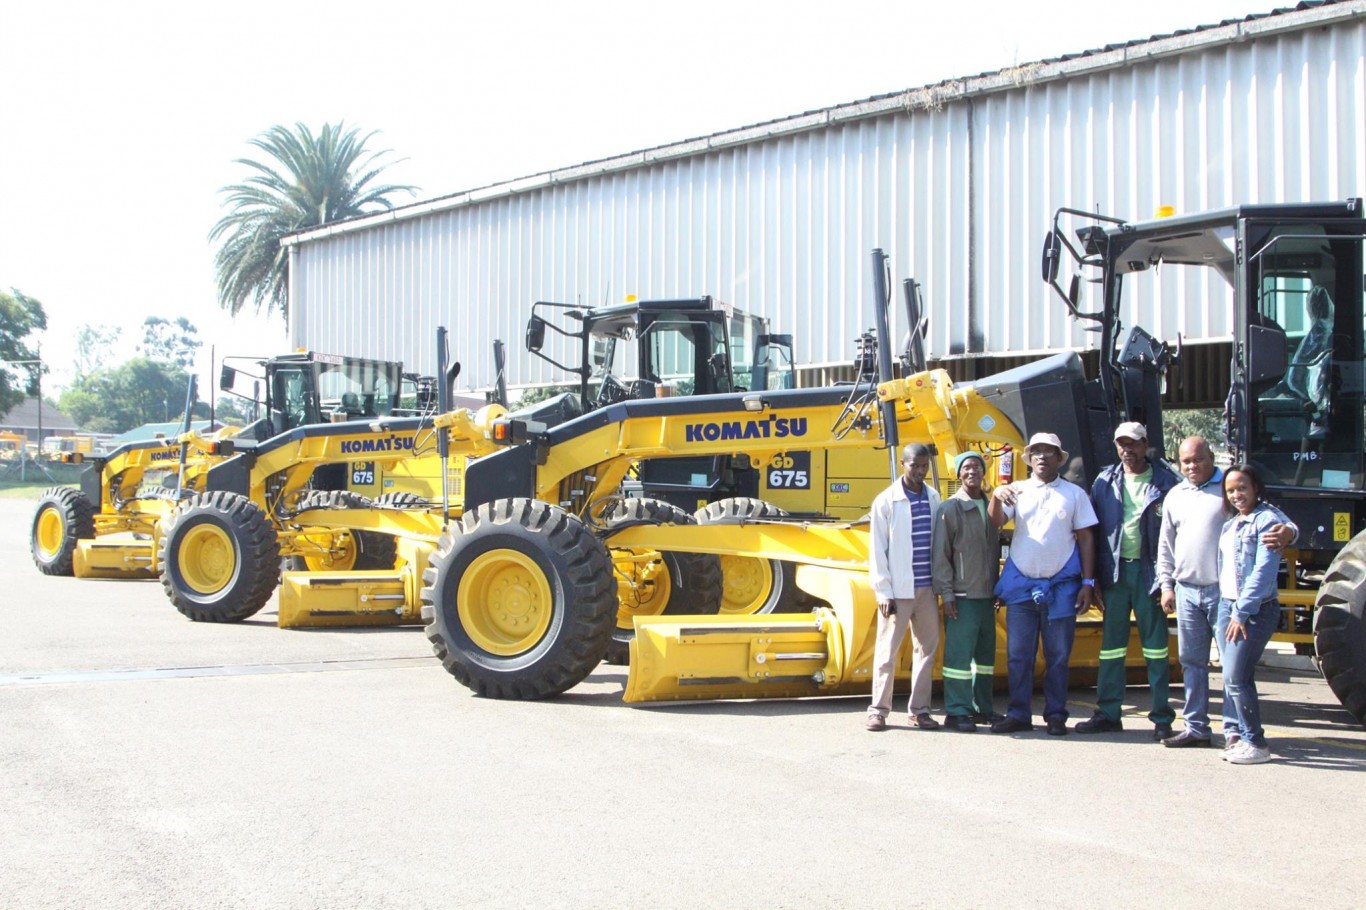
[121, 120]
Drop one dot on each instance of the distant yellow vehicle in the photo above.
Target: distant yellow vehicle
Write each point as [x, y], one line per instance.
[11, 444]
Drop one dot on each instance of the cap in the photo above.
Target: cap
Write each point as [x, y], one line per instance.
[958, 462]
[1131, 430]
[1046, 439]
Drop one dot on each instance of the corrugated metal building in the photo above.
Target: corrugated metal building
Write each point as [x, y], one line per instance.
[957, 181]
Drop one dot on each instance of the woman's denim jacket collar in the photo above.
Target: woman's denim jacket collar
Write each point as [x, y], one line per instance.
[1257, 565]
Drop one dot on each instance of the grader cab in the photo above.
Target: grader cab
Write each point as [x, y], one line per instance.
[1290, 383]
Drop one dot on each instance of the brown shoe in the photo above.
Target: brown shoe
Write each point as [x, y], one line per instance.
[876, 723]
[925, 722]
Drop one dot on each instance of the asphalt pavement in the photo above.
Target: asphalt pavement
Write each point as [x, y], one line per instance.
[148, 761]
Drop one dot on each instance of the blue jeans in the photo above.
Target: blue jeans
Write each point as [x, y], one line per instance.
[1197, 616]
[1026, 624]
[1240, 662]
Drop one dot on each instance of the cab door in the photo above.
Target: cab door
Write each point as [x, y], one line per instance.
[1297, 406]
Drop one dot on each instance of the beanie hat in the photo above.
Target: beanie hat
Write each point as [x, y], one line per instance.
[958, 462]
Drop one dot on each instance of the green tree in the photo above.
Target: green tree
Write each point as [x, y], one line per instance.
[1206, 422]
[310, 181]
[170, 342]
[93, 344]
[117, 399]
[20, 316]
[234, 411]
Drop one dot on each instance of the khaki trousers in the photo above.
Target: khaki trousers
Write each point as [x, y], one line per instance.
[921, 615]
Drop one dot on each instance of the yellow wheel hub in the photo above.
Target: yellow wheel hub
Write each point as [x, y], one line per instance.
[643, 585]
[207, 558]
[746, 584]
[49, 533]
[504, 602]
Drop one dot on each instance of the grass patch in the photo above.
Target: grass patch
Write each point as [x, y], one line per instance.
[27, 490]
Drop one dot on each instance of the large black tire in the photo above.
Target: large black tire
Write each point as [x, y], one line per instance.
[64, 516]
[753, 586]
[1340, 627]
[520, 601]
[220, 558]
[361, 551]
[676, 584]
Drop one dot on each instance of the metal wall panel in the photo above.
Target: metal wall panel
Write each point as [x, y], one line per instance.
[957, 183]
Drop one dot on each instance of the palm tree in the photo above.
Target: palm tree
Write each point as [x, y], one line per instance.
[312, 181]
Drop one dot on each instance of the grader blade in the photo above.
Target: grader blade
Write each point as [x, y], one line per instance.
[779, 655]
[117, 556]
[319, 599]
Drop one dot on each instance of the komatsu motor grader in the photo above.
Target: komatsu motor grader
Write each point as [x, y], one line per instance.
[1294, 407]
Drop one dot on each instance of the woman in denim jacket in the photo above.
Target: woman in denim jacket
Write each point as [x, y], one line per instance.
[1248, 610]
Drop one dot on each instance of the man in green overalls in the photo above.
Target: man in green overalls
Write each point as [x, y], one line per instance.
[1128, 501]
[967, 558]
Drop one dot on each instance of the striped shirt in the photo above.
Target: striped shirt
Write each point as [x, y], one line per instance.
[921, 537]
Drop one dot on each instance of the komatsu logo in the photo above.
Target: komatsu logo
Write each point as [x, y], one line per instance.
[171, 455]
[773, 427]
[384, 444]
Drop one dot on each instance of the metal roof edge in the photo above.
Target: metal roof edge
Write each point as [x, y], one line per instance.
[927, 97]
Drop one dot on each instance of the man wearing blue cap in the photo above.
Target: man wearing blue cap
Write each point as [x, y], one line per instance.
[967, 559]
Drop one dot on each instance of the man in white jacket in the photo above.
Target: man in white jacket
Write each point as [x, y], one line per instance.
[899, 571]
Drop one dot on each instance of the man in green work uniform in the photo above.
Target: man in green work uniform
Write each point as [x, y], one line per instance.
[967, 559]
[1128, 501]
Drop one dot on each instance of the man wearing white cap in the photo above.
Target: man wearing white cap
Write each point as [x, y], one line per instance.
[1128, 500]
[1047, 580]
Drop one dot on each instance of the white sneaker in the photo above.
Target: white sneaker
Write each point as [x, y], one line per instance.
[1231, 744]
[1245, 753]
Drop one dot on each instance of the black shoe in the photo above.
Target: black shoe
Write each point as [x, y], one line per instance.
[1012, 725]
[1162, 731]
[988, 718]
[1186, 740]
[959, 723]
[1099, 723]
[1057, 727]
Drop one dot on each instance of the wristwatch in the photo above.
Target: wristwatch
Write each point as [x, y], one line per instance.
[1088, 582]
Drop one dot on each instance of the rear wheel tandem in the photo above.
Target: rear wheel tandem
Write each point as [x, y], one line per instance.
[64, 516]
[519, 600]
[348, 550]
[653, 583]
[751, 585]
[220, 558]
[1340, 626]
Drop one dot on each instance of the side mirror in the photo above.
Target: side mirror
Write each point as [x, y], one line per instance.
[535, 334]
[227, 378]
[1074, 291]
[1052, 251]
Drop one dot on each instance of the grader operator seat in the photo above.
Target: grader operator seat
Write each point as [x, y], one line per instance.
[350, 403]
[1304, 392]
